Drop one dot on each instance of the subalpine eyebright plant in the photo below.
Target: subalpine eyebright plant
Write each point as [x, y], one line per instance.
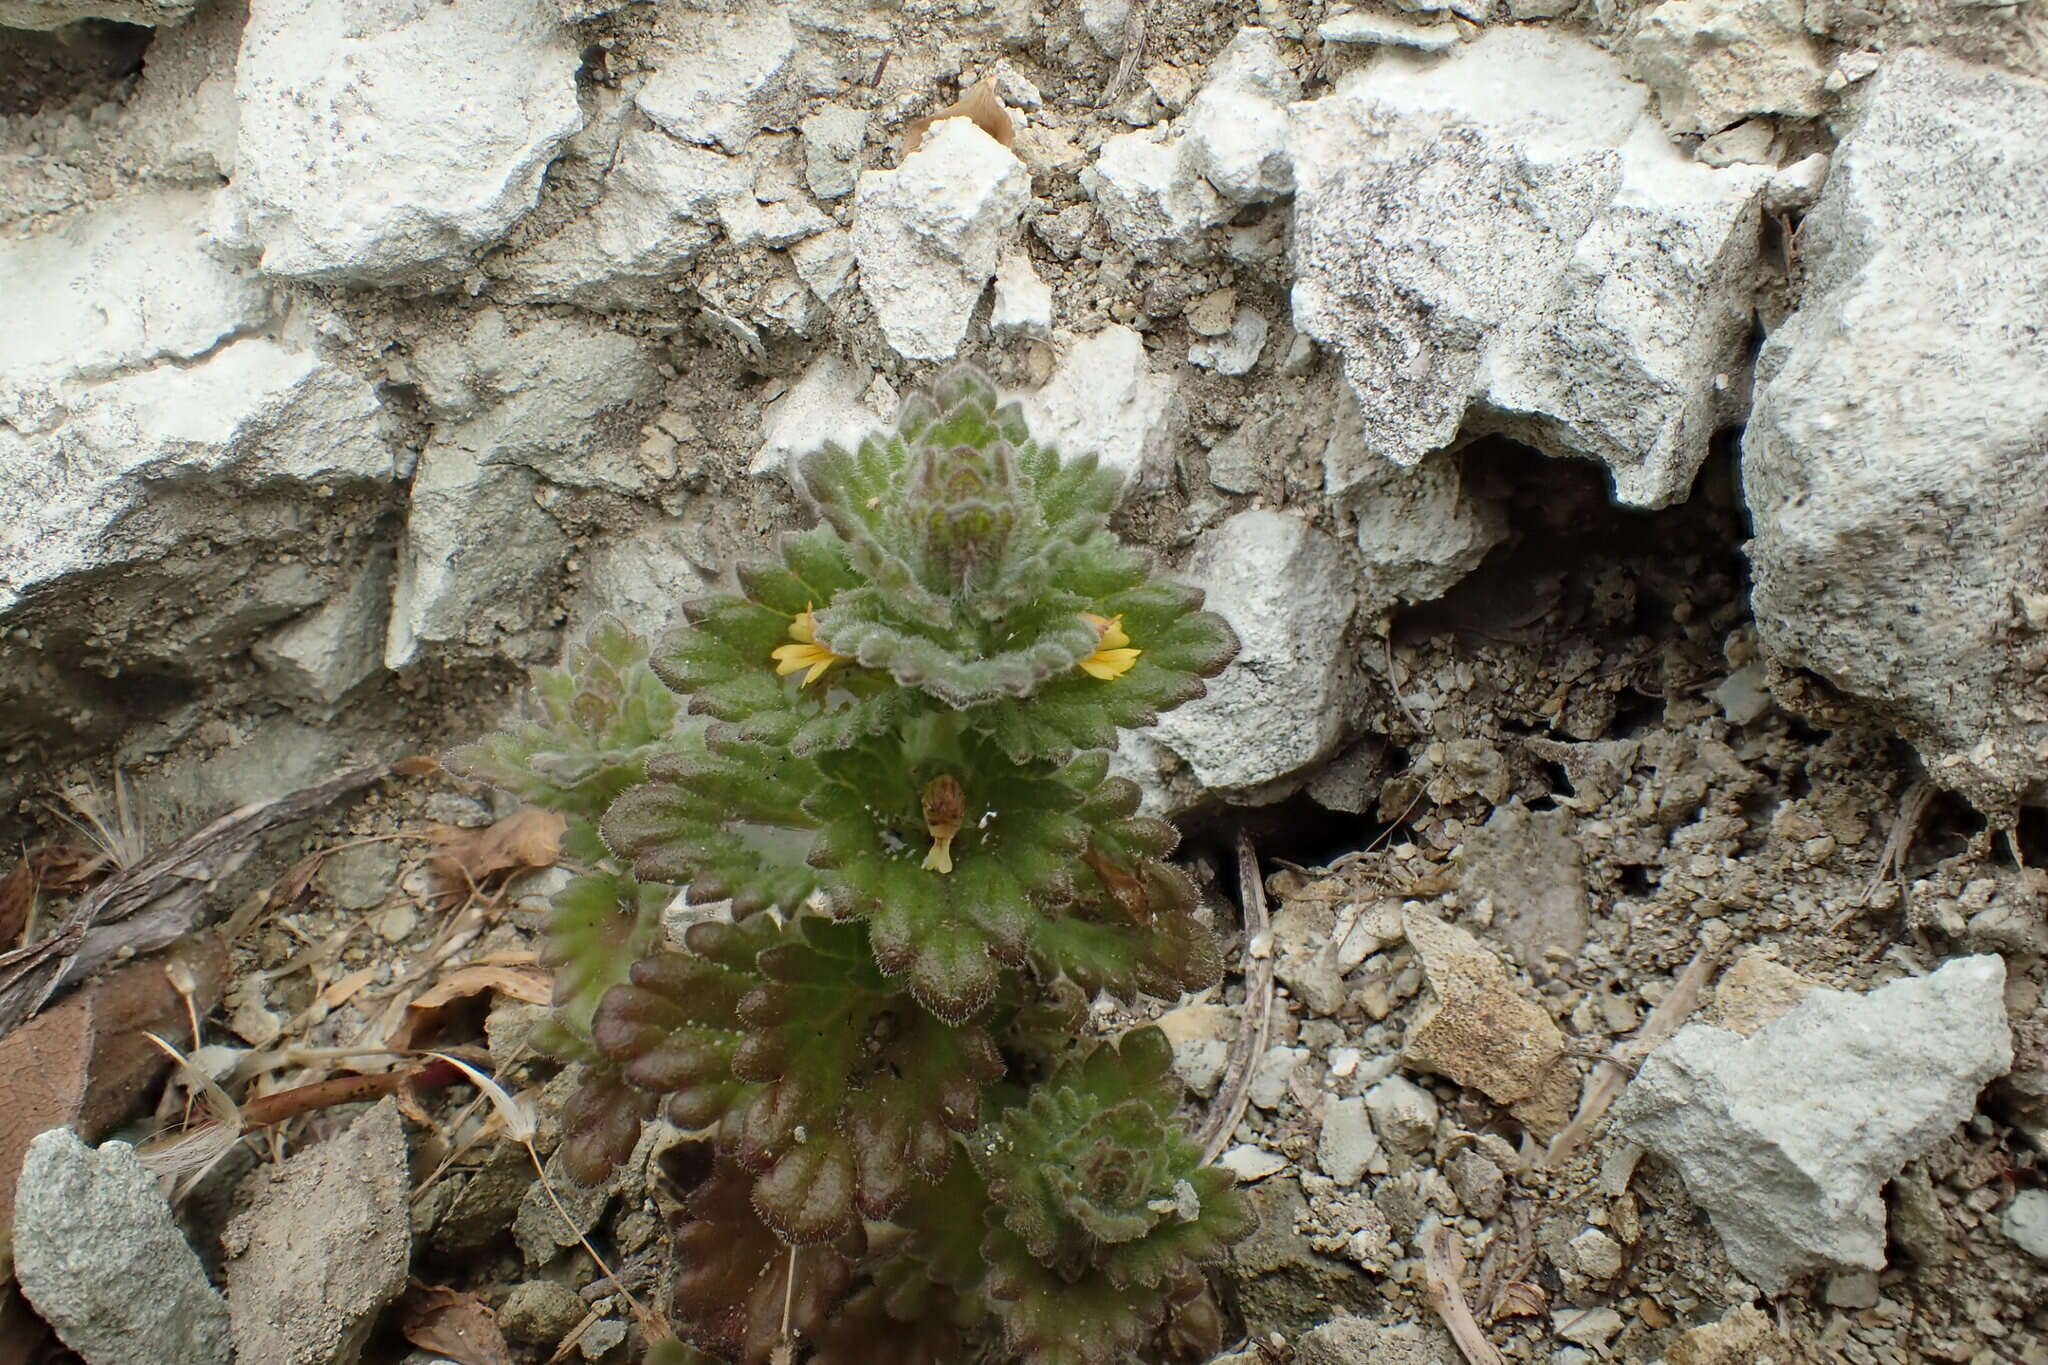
[888, 754]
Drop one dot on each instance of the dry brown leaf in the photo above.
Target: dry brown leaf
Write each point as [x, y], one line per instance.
[453, 1324]
[344, 990]
[294, 882]
[1519, 1299]
[526, 983]
[978, 102]
[483, 860]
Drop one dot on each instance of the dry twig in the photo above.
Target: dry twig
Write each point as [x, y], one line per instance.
[1613, 1073]
[1897, 844]
[1443, 1263]
[153, 901]
[1250, 1044]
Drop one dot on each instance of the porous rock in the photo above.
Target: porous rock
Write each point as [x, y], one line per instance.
[111, 291]
[1480, 1031]
[1287, 701]
[1893, 471]
[321, 1246]
[1503, 239]
[1714, 63]
[389, 142]
[1785, 1138]
[928, 235]
[100, 1256]
[727, 77]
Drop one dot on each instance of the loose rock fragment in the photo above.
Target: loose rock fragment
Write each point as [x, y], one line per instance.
[1527, 864]
[1106, 400]
[99, 1255]
[729, 79]
[1785, 1138]
[1479, 1030]
[928, 235]
[1403, 1112]
[1346, 1144]
[321, 1246]
[2025, 1222]
[1235, 130]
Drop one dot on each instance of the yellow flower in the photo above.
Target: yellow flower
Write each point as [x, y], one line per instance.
[806, 652]
[1113, 656]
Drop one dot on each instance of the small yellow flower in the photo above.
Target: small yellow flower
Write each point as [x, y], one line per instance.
[1113, 656]
[806, 652]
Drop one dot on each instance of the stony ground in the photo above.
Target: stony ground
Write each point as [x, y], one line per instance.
[1611, 442]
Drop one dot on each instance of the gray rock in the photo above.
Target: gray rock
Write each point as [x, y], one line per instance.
[928, 235]
[828, 403]
[1403, 1113]
[1347, 1144]
[1355, 1341]
[326, 654]
[1786, 1137]
[321, 1246]
[1526, 862]
[1714, 63]
[2025, 1223]
[1273, 1075]
[1503, 239]
[1235, 129]
[46, 14]
[99, 1255]
[1023, 305]
[834, 138]
[728, 77]
[658, 210]
[113, 291]
[1901, 548]
[540, 1312]
[452, 114]
[1288, 700]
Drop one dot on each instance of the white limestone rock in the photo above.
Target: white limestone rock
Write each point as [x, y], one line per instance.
[180, 123]
[1149, 193]
[1236, 351]
[101, 491]
[389, 142]
[1023, 305]
[1346, 1144]
[829, 403]
[728, 78]
[659, 209]
[1503, 239]
[928, 235]
[825, 263]
[104, 1262]
[112, 291]
[1786, 1137]
[1289, 698]
[1235, 129]
[1894, 465]
[1714, 63]
[1106, 400]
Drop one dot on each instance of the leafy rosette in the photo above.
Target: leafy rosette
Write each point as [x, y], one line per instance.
[1099, 1196]
[833, 1087]
[590, 727]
